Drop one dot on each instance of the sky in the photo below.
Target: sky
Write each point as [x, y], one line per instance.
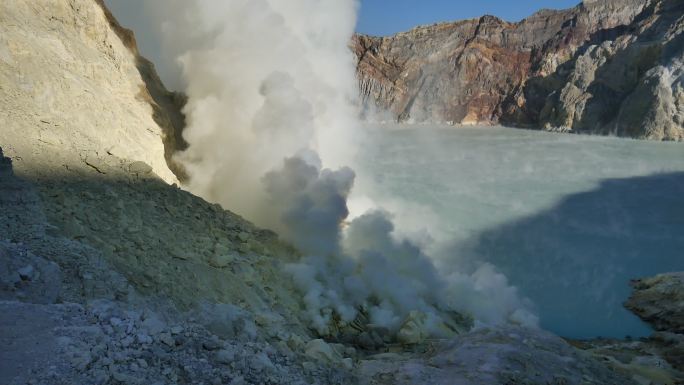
[386, 17]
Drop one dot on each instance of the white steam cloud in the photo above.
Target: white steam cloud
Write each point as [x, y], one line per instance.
[272, 125]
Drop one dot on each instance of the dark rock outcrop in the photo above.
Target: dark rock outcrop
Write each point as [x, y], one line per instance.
[608, 66]
[659, 301]
[167, 106]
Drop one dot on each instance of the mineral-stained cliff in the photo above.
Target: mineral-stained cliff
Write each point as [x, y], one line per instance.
[605, 66]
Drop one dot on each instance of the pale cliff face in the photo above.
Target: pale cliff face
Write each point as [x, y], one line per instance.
[71, 87]
[602, 67]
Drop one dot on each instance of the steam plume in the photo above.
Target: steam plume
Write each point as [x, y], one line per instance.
[271, 128]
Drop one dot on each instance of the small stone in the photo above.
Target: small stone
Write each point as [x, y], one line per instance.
[133, 315]
[221, 261]
[124, 378]
[167, 339]
[82, 361]
[100, 376]
[141, 362]
[260, 362]
[14, 279]
[139, 168]
[350, 351]
[127, 341]
[26, 272]
[245, 248]
[321, 351]
[144, 338]
[224, 356]
[176, 330]
[212, 344]
[88, 194]
[243, 236]
[153, 324]
[414, 329]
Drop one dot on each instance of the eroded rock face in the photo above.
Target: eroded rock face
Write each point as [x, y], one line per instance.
[659, 301]
[611, 66]
[72, 81]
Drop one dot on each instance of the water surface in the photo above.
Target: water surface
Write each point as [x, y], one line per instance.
[569, 219]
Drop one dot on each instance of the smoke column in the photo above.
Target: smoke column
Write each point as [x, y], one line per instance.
[272, 125]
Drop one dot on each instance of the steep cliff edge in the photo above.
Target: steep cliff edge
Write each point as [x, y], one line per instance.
[68, 70]
[608, 67]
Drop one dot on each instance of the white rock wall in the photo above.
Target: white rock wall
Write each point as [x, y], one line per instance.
[68, 81]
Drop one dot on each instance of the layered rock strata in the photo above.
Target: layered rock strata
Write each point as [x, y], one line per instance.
[603, 67]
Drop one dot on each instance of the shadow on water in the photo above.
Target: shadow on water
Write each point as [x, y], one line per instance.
[575, 260]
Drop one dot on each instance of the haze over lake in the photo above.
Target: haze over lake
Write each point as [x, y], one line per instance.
[569, 219]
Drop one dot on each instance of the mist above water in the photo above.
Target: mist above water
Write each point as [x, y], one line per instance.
[568, 219]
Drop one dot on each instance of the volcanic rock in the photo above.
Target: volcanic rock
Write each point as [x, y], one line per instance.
[606, 67]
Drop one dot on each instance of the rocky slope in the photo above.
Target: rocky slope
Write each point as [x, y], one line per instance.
[606, 66]
[110, 275]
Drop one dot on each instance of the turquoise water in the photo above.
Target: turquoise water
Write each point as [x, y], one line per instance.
[569, 219]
